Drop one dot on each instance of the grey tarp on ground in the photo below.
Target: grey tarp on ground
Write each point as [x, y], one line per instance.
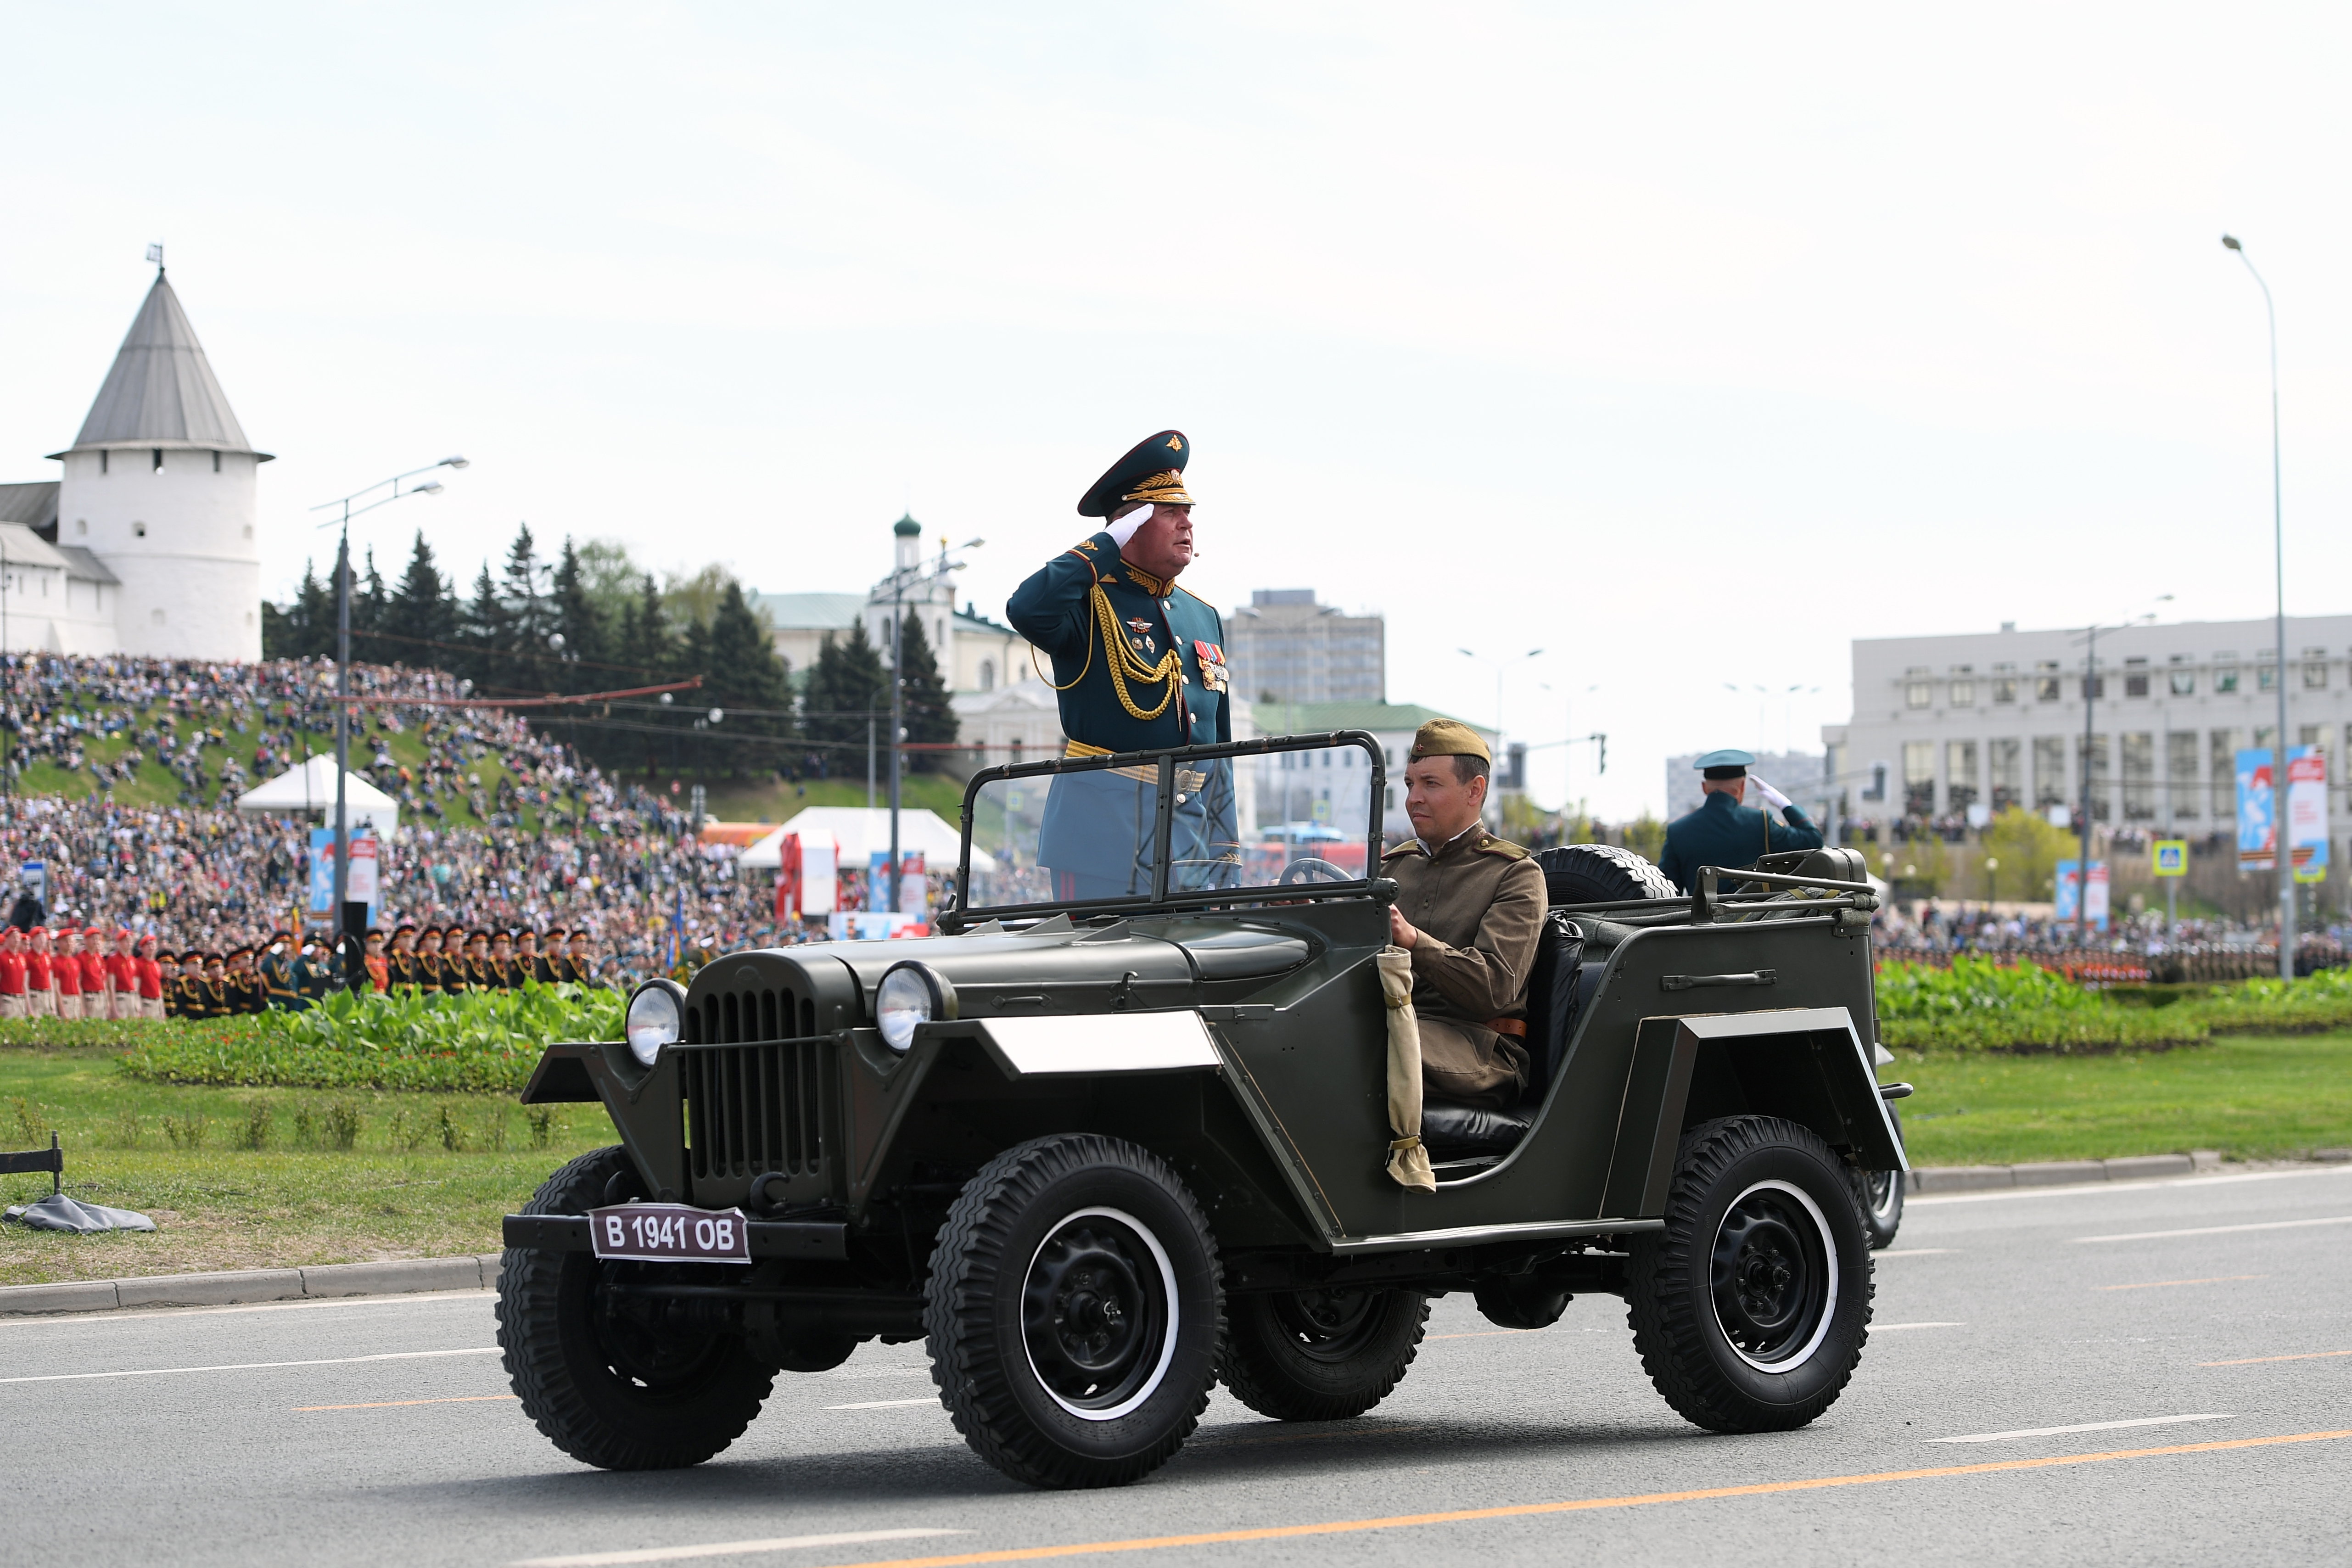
[59, 1211]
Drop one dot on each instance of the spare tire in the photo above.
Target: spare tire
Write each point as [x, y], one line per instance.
[1600, 874]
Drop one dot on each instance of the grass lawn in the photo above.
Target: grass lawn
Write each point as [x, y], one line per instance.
[2251, 1096]
[399, 1190]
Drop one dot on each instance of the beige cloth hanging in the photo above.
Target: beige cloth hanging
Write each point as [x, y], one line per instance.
[1408, 1160]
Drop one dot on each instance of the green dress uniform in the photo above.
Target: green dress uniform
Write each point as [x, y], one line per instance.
[1724, 833]
[1139, 664]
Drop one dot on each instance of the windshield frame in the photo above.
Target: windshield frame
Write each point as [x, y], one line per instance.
[1162, 898]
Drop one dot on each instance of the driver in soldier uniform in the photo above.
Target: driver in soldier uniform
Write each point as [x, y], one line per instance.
[1140, 664]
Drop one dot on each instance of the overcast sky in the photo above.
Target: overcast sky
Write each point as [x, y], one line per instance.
[1685, 342]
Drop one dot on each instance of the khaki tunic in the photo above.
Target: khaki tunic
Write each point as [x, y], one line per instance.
[1478, 904]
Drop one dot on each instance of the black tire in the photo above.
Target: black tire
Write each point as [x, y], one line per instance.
[606, 1390]
[1880, 1196]
[1751, 1308]
[1321, 1356]
[1600, 874]
[1074, 1311]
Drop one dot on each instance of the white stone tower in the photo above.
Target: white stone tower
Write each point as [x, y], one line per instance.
[160, 487]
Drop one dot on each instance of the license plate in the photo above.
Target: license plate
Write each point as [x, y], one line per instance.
[669, 1233]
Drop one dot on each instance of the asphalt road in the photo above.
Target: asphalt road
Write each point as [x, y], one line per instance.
[2190, 1342]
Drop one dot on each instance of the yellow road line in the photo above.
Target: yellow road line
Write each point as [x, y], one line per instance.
[391, 1403]
[2161, 1284]
[1522, 1510]
[2256, 1360]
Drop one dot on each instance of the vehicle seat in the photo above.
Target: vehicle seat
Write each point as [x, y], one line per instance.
[1557, 988]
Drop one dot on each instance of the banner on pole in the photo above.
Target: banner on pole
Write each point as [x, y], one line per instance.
[364, 884]
[2257, 812]
[2306, 813]
[2071, 890]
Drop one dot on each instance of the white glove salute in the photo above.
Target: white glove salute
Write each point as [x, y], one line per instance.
[1769, 793]
[1125, 528]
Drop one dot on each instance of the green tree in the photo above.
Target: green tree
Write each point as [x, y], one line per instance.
[581, 621]
[421, 614]
[848, 684]
[487, 630]
[928, 718]
[2028, 849]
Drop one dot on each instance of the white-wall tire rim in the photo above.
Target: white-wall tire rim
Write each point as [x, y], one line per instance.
[1830, 1267]
[1168, 1336]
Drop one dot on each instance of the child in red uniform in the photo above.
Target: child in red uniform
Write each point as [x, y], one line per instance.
[64, 972]
[122, 979]
[95, 1003]
[40, 997]
[12, 973]
[150, 979]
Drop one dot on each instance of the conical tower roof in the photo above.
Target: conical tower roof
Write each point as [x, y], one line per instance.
[162, 391]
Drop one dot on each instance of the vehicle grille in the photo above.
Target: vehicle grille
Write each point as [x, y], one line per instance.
[756, 1100]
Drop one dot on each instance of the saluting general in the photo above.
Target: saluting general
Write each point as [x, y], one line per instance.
[1140, 664]
[1723, 832]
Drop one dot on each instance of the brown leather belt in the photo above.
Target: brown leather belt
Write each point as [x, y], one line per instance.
[1514, 1027]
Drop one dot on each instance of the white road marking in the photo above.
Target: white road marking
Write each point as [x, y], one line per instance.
[2220, 1229]
[882, 1404]
[919, 1368]
[2085, 1427]
[250, 1366]
[727, 1548]
[112, 1315]
[1914, 1252]
[2085, 1189]
[1891, 1327]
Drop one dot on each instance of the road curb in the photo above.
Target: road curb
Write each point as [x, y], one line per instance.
[2058, 1173]
[401, 1277]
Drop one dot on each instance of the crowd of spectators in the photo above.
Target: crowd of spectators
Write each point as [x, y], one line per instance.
[549, 842]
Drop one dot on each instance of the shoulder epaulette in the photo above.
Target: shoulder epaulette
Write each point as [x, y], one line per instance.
[1504, 847]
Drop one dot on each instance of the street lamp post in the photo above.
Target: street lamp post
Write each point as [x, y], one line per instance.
[2284, 857]
[1503, 667]
[346, 512]
[901, 578]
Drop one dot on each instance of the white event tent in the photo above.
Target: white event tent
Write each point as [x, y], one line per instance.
[863, 833]
[312, 788]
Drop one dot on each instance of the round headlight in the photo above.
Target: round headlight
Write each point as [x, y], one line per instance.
[655, 1021]
[912, 993]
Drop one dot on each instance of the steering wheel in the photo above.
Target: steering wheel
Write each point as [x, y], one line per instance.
[1309, 868]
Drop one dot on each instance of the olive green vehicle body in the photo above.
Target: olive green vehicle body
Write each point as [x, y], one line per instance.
[1247, 1046]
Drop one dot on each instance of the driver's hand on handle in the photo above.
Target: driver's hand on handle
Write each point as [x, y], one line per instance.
[1769, 793]
[1402, 932]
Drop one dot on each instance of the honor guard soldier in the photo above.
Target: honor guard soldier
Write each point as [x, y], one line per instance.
[1139, 664]
[1722, 832]
[277, 969]
[402, 959]
[505, 974]
[578, 967]
[431, 968]
[546, 963]
[188, 988]
[481, 974]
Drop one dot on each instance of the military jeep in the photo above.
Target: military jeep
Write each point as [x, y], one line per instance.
[1102, 1153]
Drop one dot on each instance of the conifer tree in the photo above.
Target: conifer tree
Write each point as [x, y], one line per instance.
[846, 686]
[580, 620]
[924, 700]
[422, 615]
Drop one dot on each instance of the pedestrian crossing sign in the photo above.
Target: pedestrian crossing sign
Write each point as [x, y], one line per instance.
[2172, 857]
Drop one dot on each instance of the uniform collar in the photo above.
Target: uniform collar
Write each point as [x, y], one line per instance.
[1718, 801]
[1475, 827]
[1157, 588]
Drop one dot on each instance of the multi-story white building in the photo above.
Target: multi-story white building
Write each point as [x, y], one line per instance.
[1284, 645]
[1940, 722]
[152, 521]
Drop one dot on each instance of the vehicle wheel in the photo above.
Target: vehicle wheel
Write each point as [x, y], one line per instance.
[1751, 1308]
[1600, 874]
[1321, 1356]
[1074, 1311]
[1880, 1193]
[608, 1389]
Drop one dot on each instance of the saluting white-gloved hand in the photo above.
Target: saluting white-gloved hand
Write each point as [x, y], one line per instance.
[1125, 528]
[1769, 793]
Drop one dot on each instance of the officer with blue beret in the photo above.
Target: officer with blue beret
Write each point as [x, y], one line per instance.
[1723, 832]
[1139, 664]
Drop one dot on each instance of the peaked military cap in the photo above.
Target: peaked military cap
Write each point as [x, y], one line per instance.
[1728, 763]
[1153, 471]
[1448, 738]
